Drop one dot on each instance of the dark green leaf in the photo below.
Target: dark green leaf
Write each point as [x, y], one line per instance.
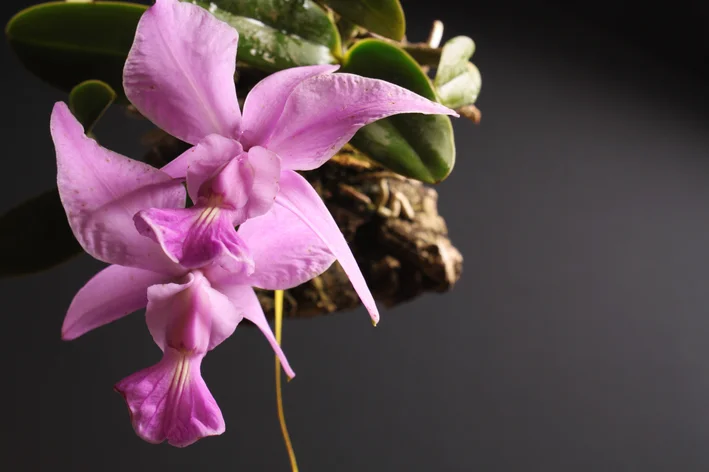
[457, 81]
[301, 18]
[68, 43]
[384, 17]
[89, 100]
[35, 236]
[274, 46]
[414, 145]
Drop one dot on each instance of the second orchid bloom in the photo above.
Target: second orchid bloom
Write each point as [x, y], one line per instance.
[192, 269]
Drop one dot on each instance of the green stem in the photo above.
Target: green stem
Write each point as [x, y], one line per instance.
[278, 308]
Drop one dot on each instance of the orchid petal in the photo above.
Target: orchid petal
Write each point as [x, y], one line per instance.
[231, 185]
[299, 197]
[203, 161]
[246, 301]
[300, 254]
[196, 236]
[266, 168]
[325, 111]
[102, 190]
[170, 401]
[266, 101]
[177, 168]
[180, 71]
[218, 167]
[111, 294]
[246, 182]
[190, 316]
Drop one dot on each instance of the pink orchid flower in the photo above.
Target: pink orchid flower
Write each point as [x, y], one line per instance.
[180, 75]
[189, 311]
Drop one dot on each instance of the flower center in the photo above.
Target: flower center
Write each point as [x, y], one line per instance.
[210, 211]
[207, 215]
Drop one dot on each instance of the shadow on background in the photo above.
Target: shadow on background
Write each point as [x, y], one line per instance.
[576, 339]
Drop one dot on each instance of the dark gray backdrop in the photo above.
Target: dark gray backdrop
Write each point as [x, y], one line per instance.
[575, 341]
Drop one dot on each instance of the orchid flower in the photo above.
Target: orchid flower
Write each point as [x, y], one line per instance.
[179, 74]
[189, 311]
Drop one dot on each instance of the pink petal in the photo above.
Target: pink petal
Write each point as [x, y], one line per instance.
[245, 300]
[190, 315]
[247, 184]
[102, 190]
[203, 161]
[177, 168]
[300, 254]
[325, 111]
[194, 237]
[231, 185]
[300, 198]
[219, 172]
[266, 168]
[266, 101]
[180, 71]
[170, 401]
[111, 294]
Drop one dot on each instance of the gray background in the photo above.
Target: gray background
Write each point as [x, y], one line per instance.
[575, 341]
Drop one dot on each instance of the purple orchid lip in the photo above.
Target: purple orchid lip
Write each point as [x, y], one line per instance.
[229, 186]
[170, 401]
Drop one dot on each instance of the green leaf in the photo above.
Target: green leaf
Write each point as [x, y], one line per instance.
[68, 43]
[414, 145]
[454, 55]
[89, 100]
[384, 17]
[279, 34]
[35, 236]
[301, 18]
[457, 81]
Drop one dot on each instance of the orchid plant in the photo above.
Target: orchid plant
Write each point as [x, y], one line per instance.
[191, 240]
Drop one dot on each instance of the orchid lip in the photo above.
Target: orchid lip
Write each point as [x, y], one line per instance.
[195, 236]
[170, 401]
[211, 206]
[179, 379]
[207, 216]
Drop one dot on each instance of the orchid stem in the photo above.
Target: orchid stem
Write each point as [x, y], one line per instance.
[278, 309]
